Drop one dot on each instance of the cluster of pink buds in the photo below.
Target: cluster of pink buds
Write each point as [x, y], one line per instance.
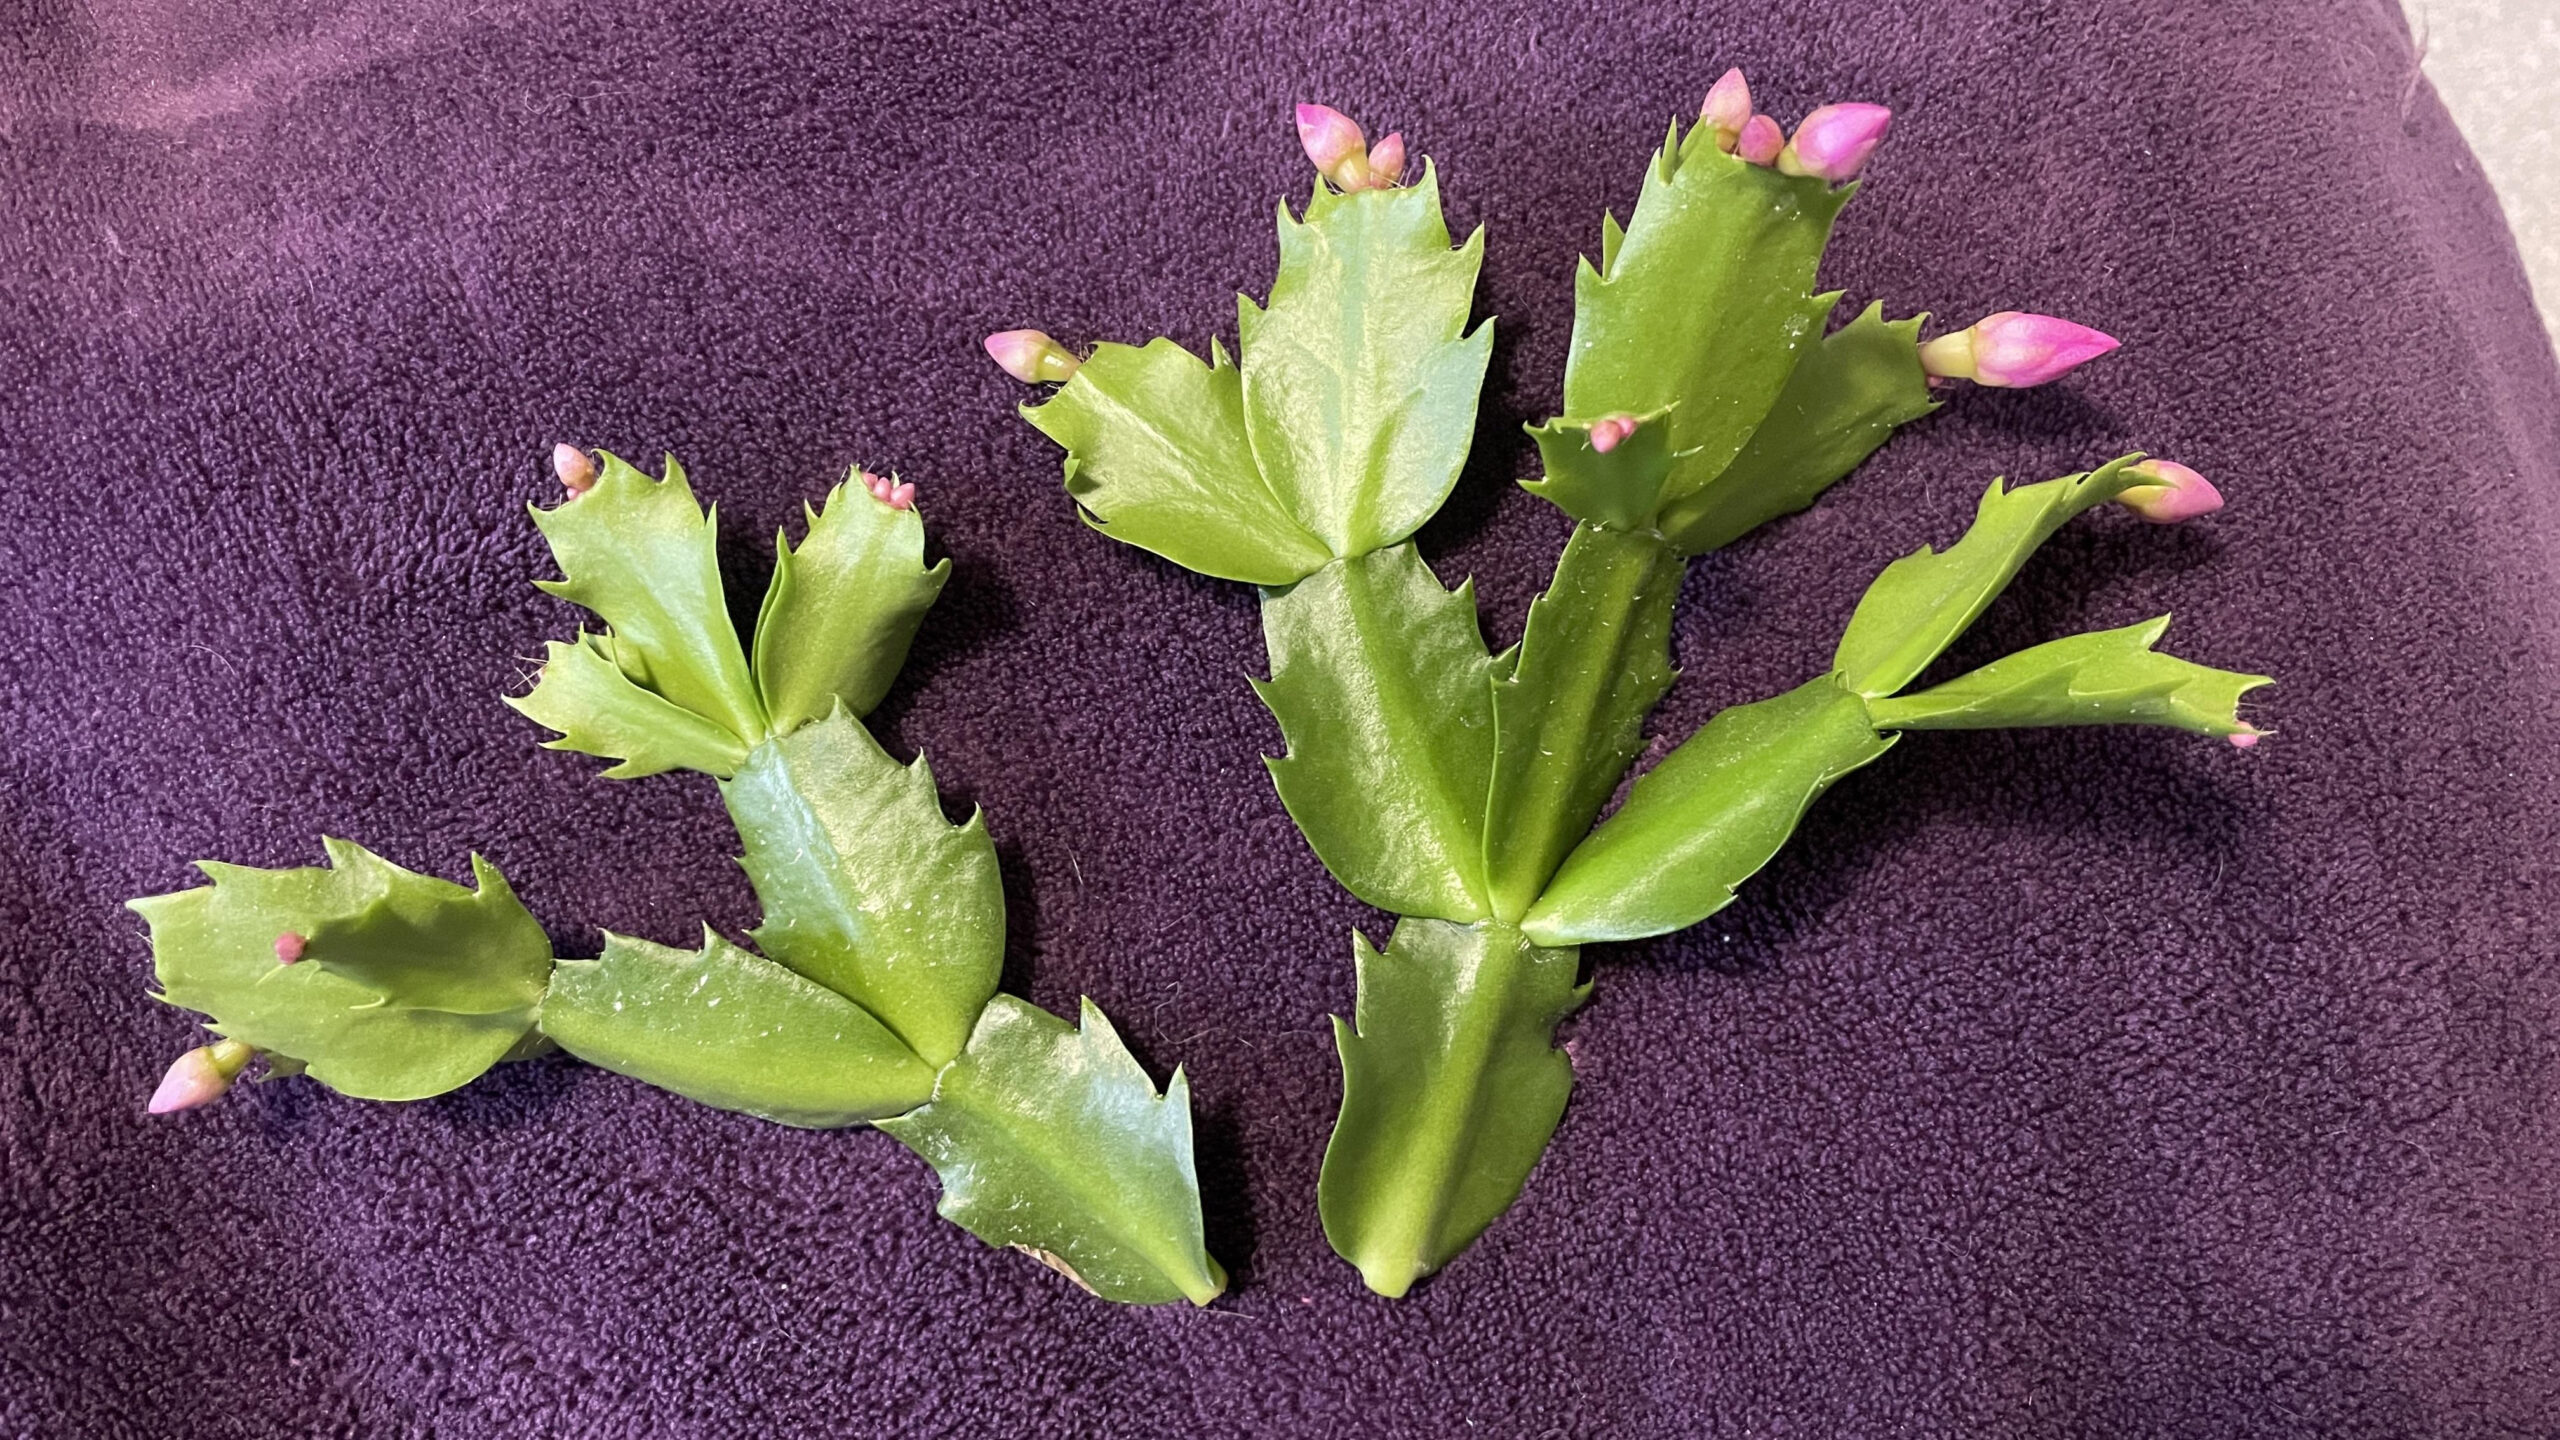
[1609, 433]
[1832, 143]
[2014, 349]
[1030, 356]
[575, 467]
[201, 1076]
[896, 494]
[2175, 493]
[1342, 153]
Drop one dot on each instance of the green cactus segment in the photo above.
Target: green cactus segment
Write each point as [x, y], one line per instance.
[842, 609]
[1051, 1139]
[597, 709]
[1619, 487]
[867, 889]
[1451, 1087]
[1704, 303]
[1845, 398]
[1158, 457]
[1360, 378]
[2106, 677]
[1707, 818]
[1920, 603]
[1383, 690]
[732, 1030]
[1569, 719]
[408, 985]
[642, 556]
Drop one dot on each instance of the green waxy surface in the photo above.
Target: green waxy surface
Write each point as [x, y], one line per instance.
[1360, 379]
[867, 889]
[599, 710]
[1844, 399]
[734, 1031]
[2106, 677]
[408, 985]
[1620, 487]
[1158, 457]
[842, 609]
[1704, 303]
[1051, 1138]
[643, 557]
[1383, 690]
[1569, 718]
[1706, 818]
[1923, 601]
[1450, 1088]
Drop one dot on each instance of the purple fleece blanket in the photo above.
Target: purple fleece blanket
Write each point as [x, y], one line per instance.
[2055, 1083]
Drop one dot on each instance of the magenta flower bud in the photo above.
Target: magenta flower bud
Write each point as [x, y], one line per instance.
[1761, 141]
[1031, 356]
[200, 1077]
[289, 948]
[1728, 109]
[1386, 162]
[1334, 142]
[1607, 434]
[2014, 349]
[1833, 143]
[901, 496]
[2246, 739]
[575, 467]
[2177, 493]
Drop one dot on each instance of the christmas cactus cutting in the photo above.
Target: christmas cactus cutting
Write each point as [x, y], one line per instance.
[1463, 789]
[869, 996]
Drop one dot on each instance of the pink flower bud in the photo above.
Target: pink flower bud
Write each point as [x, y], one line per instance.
[1609, 433]
[1833, 143]
[1030, 356]
[1386, 162]
[200, 1077]
[2014, 349]
[289, 947]
[901, 496]
[1761, 141]
[2177, 493]
[575, 467]
[2246, 739]
[1334, 142]
[1728, 109]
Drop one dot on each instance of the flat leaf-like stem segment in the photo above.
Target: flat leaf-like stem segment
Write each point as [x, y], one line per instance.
[867, 889]
[2106, 677]
[1383, 690]
[842, 609]
[1360, 381]
[1923, 601]
[1707, 818]
[1450, 1088]
[1844, 399]
[1704, 303]
[1569, 718]
[1051, 1138]
[732, 1030]
[408, 986]
[643, 557]
[1620, 487]
[598, 710]
[1157, 456]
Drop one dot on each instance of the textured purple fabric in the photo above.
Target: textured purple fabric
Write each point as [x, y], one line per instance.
[2051, 1084]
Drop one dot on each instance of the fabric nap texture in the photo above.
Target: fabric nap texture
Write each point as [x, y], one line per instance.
[2055, 1083]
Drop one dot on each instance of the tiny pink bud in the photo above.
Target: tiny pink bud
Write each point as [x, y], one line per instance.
[575, 467]
[2245, 740]
[1030, 356]
[200, 1077]
[2177, 493]
[1607, 434]
[2015, 349]
[1386, 162]
[1760, 141]
[1728, 109]
[878, 485]
[902, 496]
[288, 948]
[1335, 144]
[1833, 143]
